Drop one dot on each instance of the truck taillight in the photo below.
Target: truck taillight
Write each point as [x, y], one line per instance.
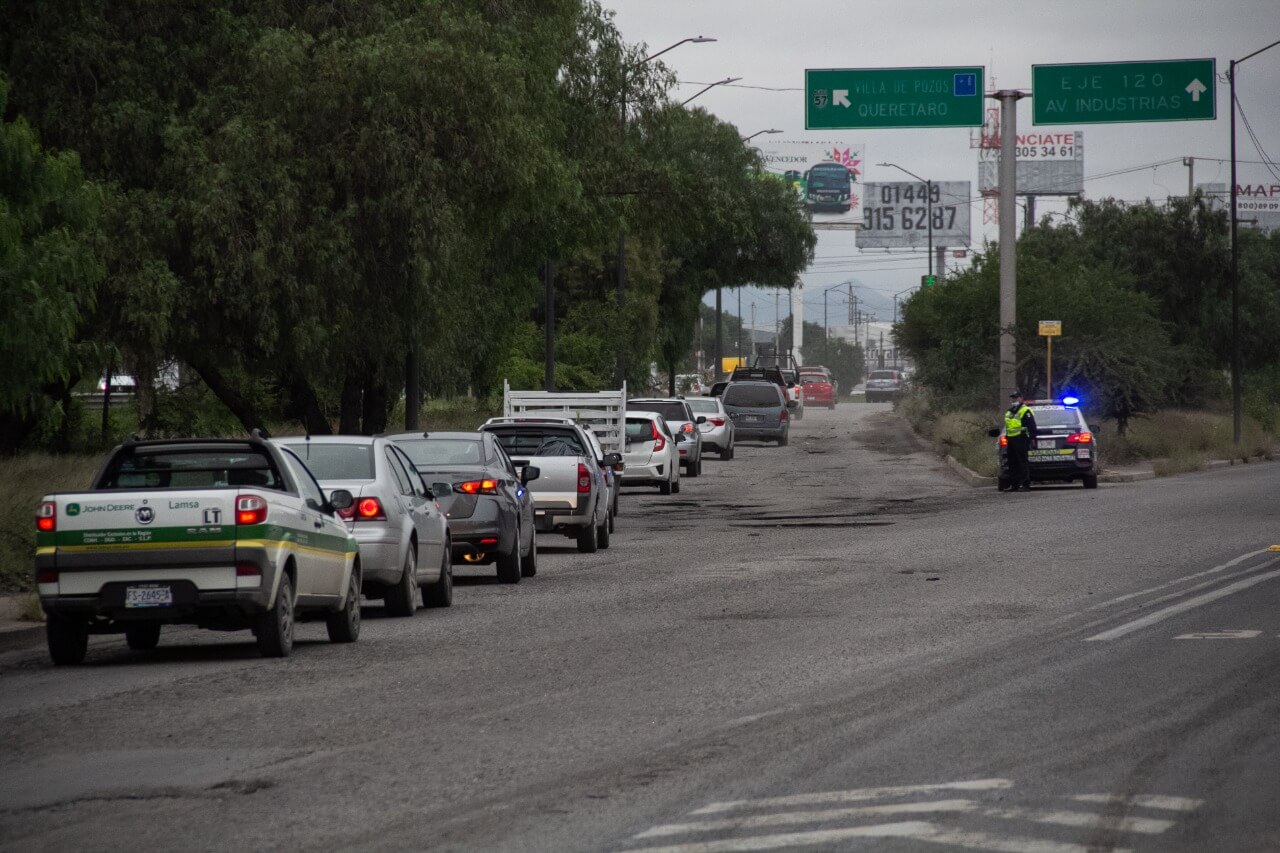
[250, 509]
[660, 443]
[47, 517]
[46, 576]
[584, 480]
[370, 509]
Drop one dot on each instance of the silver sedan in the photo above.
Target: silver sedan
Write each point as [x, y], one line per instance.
[718, 431]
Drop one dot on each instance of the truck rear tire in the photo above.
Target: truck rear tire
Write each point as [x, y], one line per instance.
[588, 542]
[602, 535]
[142, 637]
[274, 629]
[68, 639]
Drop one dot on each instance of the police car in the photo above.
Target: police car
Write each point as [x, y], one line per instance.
[1065, 447]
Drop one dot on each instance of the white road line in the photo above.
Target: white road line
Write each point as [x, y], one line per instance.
[909, 829]
[793, 818]
[1003, 843]
[1220, 635]
[854, 795]
[1181, 607]
[1150, 801]
[1144, 825]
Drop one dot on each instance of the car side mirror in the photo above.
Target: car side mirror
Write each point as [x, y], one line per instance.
[702, 419]
[793, 404]
[440, 489]
[1094, 428]
[341, 499]
[428, 494]
[680, 438]
[993, 432]
[529, 474]
[612, 459]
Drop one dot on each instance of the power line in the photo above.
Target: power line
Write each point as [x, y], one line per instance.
[1256, 142]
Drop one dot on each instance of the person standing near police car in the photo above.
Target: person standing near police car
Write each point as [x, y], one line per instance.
[1020, 430]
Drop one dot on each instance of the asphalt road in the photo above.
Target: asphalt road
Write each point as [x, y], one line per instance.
[833, 645]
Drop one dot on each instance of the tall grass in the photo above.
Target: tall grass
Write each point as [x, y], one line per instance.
[23, 481]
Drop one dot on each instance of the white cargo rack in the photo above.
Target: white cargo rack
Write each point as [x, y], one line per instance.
[604, 411]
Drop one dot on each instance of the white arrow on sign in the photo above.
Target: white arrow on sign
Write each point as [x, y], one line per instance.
[1196, 88]
[840, 98]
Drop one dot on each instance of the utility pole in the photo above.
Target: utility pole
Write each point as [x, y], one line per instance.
[549, 323]
[753, 331]
[719, 351]
[1190, 163]
[739, 353]
[777, 321]
[940, 269]
[1030, 210]
[1008, 99]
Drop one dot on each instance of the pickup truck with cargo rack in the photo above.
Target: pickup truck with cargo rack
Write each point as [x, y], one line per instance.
[224, 534]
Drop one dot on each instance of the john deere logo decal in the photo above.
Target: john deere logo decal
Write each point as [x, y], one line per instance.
[145, 514]
[73, 509]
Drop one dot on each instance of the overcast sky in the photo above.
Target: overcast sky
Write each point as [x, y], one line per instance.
[769, 43]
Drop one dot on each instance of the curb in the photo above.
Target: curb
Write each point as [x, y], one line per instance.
[21, 638]
[1125, 476]
[971, 478]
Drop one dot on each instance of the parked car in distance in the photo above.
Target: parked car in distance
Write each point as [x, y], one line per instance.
[819, 389]
[483, 496]
[612, 475]
[717, 432]
[884, 385]
[403, 535]
[1065, 446]
[759, 410]
[680, 418]
[223, 534]
[652, 456]
[570, 496]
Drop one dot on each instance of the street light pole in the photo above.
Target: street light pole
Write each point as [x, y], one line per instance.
[726, 81]
[1237, 392]
[620, 368]
[928, 184]
[758, 132]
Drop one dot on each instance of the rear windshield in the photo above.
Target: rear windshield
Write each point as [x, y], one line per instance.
[809, 380]
[429, 452]
[540, 441]
[639, 429]
[884, 374]
[335, 461]
[672, 411]
[705, 407]
[1057, 418]
[166, 468]
[753, 396]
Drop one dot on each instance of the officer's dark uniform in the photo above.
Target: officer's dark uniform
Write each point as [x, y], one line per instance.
[1020, 430]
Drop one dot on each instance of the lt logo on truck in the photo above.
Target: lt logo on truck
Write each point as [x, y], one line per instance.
[144, 514]
[213, 516]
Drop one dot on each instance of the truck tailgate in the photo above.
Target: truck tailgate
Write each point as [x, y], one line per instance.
[557, 484]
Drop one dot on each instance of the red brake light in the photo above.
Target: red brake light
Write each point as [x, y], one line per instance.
[369, 509]
[250, 509]
[717, 422]
[1080, 438]
[47, 576]
[47, 517]
[584, 480]
[1004, 441]
[660, 443]
[248, 570]
[782, 416]
[478, 487]
[687, 427]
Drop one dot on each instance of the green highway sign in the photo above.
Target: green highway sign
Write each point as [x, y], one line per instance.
[845, 98]
[1100, 93]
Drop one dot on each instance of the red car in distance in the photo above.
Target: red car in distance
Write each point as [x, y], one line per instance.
[819, 387]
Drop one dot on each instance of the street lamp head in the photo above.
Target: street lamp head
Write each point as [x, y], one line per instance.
[701, 39]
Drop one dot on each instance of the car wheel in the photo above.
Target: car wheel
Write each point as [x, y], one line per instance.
[402, 599]
[68, 639]
[603, 535]
[1091, 481]
[509, 564]
[782, 442]
[344, 624]
[529, 565]
[664, 488]
[832, 407]
[587, 541]
[612, 523]
[440, 593]
[142, 637]
[1003, 484]
[675, 487]
[691, 470]
[726, 455]
[275, 627]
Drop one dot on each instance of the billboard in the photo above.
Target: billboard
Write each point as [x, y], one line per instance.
[1048, 164]
[1257, 204]
[826, 175]
[896, 215]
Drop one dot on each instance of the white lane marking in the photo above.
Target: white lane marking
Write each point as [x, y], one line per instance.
[854, 795]
[792, 818]
[1144, 825]
[909, 829]
[1220, 635]
[1182, 607]
[1003, 844]
[1150, 801]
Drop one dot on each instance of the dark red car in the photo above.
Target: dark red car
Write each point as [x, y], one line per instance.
[819, 388]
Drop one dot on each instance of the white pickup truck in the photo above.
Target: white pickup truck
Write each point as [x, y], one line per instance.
[225, 534]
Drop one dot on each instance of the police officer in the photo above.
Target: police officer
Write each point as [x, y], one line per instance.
[1020, 430]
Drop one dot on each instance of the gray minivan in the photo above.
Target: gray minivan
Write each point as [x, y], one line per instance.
[759, 410]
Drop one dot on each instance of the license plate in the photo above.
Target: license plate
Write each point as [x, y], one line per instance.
[752, 419]
[152, 595]
[1084, 453]
[1046, 444]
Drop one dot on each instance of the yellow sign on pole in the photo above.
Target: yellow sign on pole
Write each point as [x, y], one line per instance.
[1049, 329]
